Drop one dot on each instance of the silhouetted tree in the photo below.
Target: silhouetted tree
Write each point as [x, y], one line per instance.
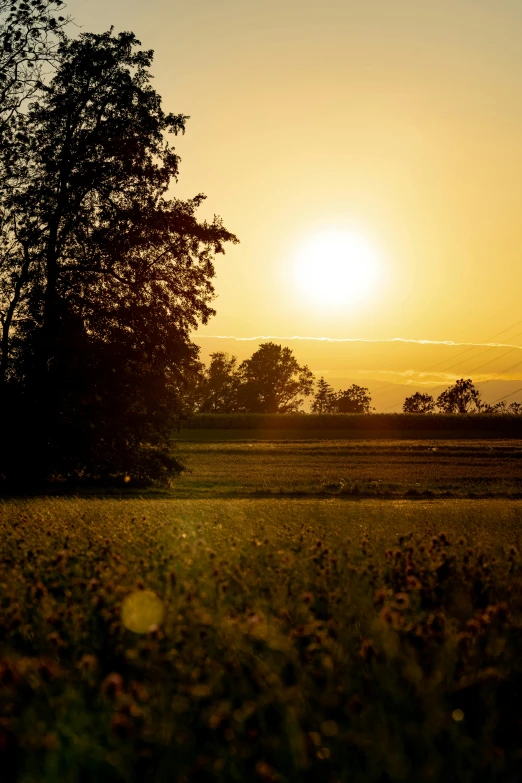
[355, 399]
[462, 397]
[219, 386]
[29, 35]
[325, 400]
[501, 407]
[273, 382]
[419, 403]
[103, 277]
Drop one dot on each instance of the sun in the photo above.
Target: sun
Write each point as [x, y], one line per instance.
[334, 268]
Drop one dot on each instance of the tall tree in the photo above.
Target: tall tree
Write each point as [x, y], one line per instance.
[419, 403]
[462, 397]
[218, 390]
[355, 399]
[105, 276]
[272, 381]
[325, 399]
[29, 34]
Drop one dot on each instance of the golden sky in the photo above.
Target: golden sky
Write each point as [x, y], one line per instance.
[400, 120]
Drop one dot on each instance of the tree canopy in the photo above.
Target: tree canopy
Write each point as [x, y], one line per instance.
[102, 277]
[419, 403]
[462, 397]
[29, 34]
[325, 399]
[272, 381]
[219, 385]
[355, 399]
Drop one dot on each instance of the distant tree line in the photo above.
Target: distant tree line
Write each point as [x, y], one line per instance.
[272, 381]
[462, 397]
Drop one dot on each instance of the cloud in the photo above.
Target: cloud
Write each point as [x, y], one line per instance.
[449, 343]
[434, 378]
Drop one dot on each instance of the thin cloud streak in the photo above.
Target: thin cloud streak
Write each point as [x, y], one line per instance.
[449, 343]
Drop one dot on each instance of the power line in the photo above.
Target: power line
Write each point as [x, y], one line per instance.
[507, 395]
[483, 383]
[382, 388]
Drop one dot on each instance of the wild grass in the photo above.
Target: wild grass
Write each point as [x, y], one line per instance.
[302, 641]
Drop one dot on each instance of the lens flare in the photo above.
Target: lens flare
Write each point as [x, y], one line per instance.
[141, 610]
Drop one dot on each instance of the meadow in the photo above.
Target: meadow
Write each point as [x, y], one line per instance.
[273, 640]
[351, 469]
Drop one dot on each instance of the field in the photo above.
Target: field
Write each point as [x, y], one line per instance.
[260, 640]
[351, 468]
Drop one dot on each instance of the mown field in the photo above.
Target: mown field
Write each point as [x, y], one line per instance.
[351, 468]
[288, 640]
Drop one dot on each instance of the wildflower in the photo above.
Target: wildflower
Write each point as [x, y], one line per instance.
[464, 639]
[121, 725]
[112, 685]
[380, 597]
[368, 650]
[9, 673]
[402, 600]
[87, 663]
[473, 626]
[386, 615]
[48, 669]
[39, 591]
[55, 639]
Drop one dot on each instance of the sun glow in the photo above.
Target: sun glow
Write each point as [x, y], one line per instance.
[335, 268]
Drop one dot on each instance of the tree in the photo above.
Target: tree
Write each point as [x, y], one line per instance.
[29, 34]
[419, 403]
[355, 399]
[325, 400]
[103, 277]
[218, 390]
[462, 397]
[502, 408]
[273, 382]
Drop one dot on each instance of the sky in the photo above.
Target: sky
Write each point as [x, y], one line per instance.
[398, 122]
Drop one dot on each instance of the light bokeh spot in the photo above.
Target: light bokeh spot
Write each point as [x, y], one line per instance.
[457, 715]
[142, 609]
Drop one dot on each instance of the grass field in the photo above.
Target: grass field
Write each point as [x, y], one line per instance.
[286, 640]
[351, 469]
